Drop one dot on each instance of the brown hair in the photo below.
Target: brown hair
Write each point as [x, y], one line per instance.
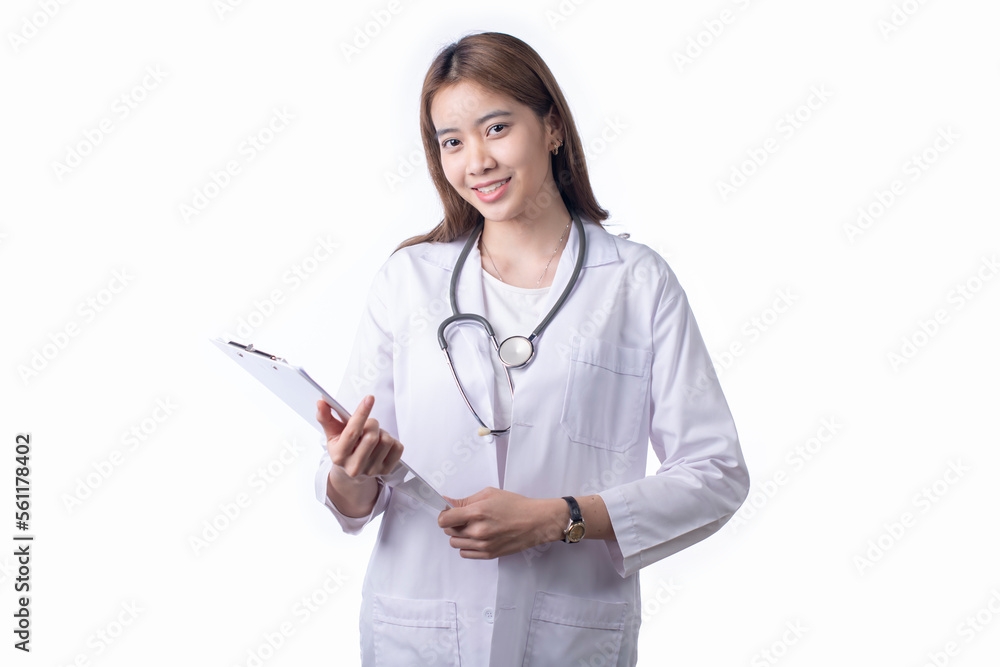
[503, 64]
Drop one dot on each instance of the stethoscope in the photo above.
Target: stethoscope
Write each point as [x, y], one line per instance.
[515, 351]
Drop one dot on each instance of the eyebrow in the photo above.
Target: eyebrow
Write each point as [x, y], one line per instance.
[479, 121]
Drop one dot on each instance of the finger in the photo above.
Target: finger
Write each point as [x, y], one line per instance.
[358, 461]
[474, 555]
[373, 462]
[355, 426]
[391, 455]
[393, 458]
[482, 494]
[451, 518]
[466, 543]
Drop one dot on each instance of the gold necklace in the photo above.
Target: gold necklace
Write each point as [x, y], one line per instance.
[546, 265]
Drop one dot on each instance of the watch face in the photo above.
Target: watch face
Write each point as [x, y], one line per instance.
[576, 532]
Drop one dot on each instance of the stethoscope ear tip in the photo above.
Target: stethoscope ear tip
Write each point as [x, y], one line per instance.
[483, 431]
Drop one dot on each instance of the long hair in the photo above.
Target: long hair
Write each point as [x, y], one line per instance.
[502, 64]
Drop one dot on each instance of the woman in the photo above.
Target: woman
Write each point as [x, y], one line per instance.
[504, 578]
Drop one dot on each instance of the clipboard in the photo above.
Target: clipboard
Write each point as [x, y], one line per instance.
[299, 392]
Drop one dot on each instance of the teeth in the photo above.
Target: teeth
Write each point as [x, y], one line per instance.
[490, 188]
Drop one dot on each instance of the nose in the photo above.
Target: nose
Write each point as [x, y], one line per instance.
[478, 157]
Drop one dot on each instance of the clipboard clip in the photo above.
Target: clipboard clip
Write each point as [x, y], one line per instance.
[250, 348]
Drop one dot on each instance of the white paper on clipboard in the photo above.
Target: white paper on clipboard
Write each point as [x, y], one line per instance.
[300, 392]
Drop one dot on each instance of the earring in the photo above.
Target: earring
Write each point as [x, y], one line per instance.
[555, 151]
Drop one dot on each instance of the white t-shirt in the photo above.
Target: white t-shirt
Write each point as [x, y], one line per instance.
[513, 311]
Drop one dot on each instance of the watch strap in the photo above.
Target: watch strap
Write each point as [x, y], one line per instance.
[575, 520]
[574, 509]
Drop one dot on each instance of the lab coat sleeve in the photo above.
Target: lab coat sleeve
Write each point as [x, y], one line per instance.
[702, 479]
[369, 371]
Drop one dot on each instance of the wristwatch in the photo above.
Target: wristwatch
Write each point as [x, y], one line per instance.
[576, 529]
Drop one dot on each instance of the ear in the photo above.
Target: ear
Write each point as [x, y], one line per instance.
[553, 124]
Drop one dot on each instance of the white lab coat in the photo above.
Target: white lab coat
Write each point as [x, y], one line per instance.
[622, 364]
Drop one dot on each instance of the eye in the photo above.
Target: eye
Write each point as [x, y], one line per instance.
[500, 125]
[445, 142]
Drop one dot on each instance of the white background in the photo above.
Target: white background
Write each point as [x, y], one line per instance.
[841, 546]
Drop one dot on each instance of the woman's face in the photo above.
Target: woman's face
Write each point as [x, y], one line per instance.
[486, 138]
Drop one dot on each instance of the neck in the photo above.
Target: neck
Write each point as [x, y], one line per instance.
[529, 254]
[522, 244]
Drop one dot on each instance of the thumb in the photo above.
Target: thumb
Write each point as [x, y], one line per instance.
[468, 500]
[332, 426]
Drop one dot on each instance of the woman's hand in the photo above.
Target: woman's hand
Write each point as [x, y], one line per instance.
[359, 448]
[494, 523]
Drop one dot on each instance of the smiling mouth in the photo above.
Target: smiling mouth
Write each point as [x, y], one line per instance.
[490, 188]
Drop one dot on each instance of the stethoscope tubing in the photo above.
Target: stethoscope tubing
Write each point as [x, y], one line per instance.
[456, 316]
[580, 257]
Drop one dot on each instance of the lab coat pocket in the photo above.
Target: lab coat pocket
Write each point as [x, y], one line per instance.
[606, 393]
[568, 630]
[414, 632]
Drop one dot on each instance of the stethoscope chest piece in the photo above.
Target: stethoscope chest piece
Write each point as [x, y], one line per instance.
[516, 351]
